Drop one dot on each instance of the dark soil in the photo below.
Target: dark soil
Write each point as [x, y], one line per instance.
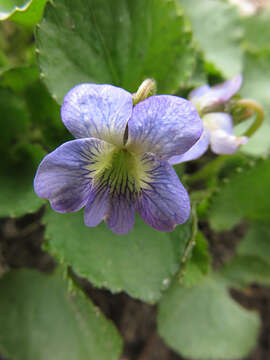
[20, 246]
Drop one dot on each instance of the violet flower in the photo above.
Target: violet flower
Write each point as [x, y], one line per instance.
[218, 125]
[118, 163]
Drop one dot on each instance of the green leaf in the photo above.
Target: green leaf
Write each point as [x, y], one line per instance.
[18, 78]
[46, 124]
[199, 264]
[140, 263]
[256, 70]
[252, 260]
[30, 118]
[256, 86]
[31, 15]
[41, 320]
[9, 7]
[19, 157]
[203, 322]
[256, 242]
[198, 77]
[258, 144]
[257, 30]
[14, 120]
[121, 43]
[4, 62]
[45, 116]
[17, 196]
[23, 12]
[17, 44]
[243, 270]
[245, 195]
[217, 28]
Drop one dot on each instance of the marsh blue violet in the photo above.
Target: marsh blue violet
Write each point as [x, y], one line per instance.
[119, 161]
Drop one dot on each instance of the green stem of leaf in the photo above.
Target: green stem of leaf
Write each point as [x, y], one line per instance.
[191, 243]
[207, 171]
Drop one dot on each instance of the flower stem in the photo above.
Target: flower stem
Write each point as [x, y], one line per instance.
[146, 89]
[255, 107]
[213, 167]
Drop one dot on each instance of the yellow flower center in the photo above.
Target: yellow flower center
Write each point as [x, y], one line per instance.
[121, 171]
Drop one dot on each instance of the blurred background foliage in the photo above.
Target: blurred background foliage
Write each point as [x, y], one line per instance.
[47, 47]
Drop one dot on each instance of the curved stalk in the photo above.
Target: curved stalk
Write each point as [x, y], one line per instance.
[256, 108]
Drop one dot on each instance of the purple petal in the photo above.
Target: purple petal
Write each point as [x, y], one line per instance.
[205, 98]
[198, 92]
[227, 89]
[99, 111]
[64, 177]
[195, 152]
[97, 206]
[218, 121]
[164, 202]
[120, 218]
[222, 140]
[164, 125]
[223, 143]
